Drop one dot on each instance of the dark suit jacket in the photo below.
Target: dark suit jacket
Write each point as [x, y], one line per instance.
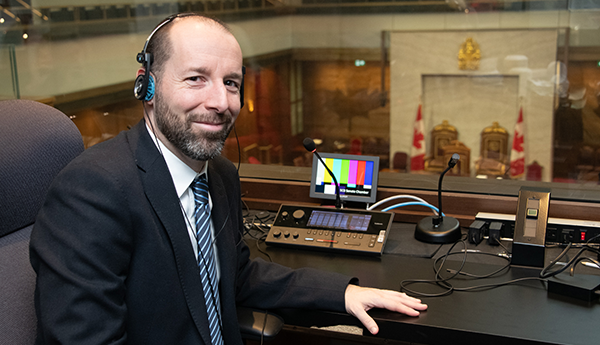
[115, 264]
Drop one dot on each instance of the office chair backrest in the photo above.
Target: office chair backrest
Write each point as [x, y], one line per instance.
[36, 142]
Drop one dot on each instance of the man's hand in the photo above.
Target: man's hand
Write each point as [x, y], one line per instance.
[359, 300]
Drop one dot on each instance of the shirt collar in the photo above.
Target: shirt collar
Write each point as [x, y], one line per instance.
[181, 173]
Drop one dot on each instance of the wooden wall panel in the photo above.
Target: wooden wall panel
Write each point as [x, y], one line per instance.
[270, 194]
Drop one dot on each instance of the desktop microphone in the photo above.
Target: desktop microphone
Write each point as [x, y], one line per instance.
[439, 229]
[310, 145]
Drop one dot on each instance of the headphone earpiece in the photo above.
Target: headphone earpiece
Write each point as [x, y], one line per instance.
[143, 88]
[139, 88]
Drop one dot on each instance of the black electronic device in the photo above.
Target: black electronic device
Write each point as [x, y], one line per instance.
[580, 286]
[357, 176]
[558, 231]
[529, 241]
[440, 229]
[495, 233]
[331, 229]
[476, 231]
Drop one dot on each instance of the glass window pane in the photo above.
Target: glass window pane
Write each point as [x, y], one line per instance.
[513, 87]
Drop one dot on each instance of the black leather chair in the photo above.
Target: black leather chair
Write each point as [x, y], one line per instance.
[36, 142]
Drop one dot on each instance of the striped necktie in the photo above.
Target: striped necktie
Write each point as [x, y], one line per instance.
[206, 259]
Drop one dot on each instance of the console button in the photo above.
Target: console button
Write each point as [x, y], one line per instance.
[381, 236]
[298, 215]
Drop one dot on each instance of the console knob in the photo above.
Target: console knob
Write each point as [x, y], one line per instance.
[295, 234]
[276, 233]
[298, 215]
[286, 234]
[284, 215]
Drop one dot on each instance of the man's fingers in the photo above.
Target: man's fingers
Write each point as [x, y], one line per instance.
[401, 303]
[367, 321]
[359, 300]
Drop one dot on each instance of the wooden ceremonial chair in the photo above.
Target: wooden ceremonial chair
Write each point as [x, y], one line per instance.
[400, 161]
[534, 172]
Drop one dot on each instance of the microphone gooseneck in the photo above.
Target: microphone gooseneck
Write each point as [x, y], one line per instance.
[451, 164]
[440, 229]
[310, 146]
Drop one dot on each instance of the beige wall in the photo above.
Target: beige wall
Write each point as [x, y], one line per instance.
[424, 65]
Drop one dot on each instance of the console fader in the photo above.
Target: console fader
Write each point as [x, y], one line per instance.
[330, 229]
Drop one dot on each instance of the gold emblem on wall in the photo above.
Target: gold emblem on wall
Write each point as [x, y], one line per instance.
[469, 55]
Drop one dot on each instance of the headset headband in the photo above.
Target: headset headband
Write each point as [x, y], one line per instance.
[141, 55]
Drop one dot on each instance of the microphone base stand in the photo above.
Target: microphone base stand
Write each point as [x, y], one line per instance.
[446, 231]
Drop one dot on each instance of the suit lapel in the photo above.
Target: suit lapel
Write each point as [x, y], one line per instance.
[218, 194]
[161, 194]
[222, 223]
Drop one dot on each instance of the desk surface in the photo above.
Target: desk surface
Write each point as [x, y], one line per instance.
[521, 313]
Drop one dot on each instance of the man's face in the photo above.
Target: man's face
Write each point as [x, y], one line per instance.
[197, 94]
[197, 144]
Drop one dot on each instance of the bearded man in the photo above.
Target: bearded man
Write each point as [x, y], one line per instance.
[140, 238]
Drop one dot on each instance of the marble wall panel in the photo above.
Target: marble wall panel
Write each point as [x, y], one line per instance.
[424, 69]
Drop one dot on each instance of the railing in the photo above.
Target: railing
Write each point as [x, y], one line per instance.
[24, 22]
[105, 12]
[28, 15]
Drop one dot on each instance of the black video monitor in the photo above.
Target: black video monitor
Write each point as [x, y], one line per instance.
[356, 174]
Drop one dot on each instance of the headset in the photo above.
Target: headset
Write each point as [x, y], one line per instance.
[144, 86]
[144, 89]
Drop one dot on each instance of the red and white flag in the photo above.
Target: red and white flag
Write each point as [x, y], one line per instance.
[517, 154]
[417, 152]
